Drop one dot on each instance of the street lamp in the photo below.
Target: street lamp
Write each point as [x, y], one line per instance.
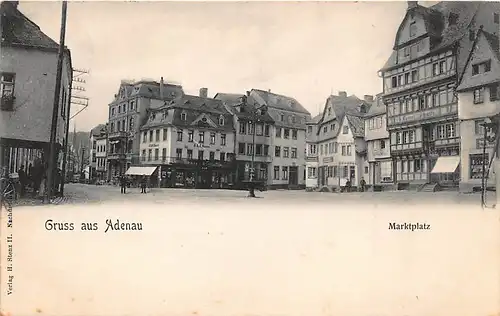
[251, 183]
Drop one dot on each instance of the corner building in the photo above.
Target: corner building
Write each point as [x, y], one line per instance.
[430, 50]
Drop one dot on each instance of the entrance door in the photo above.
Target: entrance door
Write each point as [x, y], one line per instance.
[293, 176]
[352, 174]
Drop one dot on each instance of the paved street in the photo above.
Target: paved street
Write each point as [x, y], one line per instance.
[81, 193]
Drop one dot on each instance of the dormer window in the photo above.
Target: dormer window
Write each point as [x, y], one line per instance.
[183, 116]
[452, 19]
[362, 108]
[345, 129]
[482, 67]
[221, 120]
[204, 120]
[282, 117]
[294, 119]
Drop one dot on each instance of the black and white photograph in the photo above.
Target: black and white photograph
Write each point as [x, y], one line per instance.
[249, 158]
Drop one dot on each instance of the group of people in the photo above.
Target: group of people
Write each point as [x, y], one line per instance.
[35, 177]
[124, 183]
[348, 185]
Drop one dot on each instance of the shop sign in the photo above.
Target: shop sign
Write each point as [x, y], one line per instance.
[327, 159]
[153, 145]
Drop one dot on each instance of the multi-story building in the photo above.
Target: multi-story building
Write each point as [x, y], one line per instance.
[419, 79]
[312, 165]
[478, 99]
[97, 132]
[378, 146]
[127, 112]
[340, 140]
[191, 139]
[27, 83]
[280, 137]
[247, 113]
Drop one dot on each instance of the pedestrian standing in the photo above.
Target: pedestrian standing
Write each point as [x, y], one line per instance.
[143, 185]
[123, 184]
[362, 184]
[22, 180]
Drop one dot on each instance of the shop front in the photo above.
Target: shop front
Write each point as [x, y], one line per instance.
[200, 174]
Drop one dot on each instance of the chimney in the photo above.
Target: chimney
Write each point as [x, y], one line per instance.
[203, 93]
[269, 90]
[412, 4]
[368, 98]
[343, 94]
[248, 93]
[161, 88]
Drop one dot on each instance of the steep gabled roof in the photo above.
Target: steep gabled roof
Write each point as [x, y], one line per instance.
[377, 108]
[17, 29]
[279, 101]
[357, 125]
[344, 105]
[314, 120]
[235, 103]
[98, 130]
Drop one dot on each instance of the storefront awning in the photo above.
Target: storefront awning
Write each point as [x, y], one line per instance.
[446, 164]
[140, 171]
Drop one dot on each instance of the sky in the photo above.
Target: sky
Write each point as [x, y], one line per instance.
[306, 50]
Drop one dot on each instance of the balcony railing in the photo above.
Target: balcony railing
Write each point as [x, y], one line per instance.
[119, 134]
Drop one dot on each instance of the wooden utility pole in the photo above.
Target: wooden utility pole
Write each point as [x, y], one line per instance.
[55, 109]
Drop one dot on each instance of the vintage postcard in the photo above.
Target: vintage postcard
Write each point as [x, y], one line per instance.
[249, 158]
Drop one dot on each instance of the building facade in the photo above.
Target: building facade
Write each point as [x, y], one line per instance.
[127, 113]
[191, 140]
[98, 132]
[419, 79]
[312, 165]
[478, 99]
[247, 113]
[27, 84]
[378, 145]
[340, 141]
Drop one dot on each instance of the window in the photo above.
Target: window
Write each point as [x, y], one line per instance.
[266, 130]
[282, 117]
[250, 128]
[276, 175]
[118, 128]
[151, 136]
[286, 152]
[476, 162]
[179, 135]
[277, 151]
[143, 155]
[345, 129]
[366, 169]
[212, 156]
[450, 130]
[414, 76]
[325, 129]
[294, 152]
[349, 150]
[157, 135]
[343, 150]
[241, 148]
[249, 150]
[394, 82]
[285, 173]
[479, 95]
[259, 129]
[190, 136]
[435, 99]
[411, 136]
[294, 134]
[183, 116]
[407, 51]
[190, 154]
[112, 111]
[131, 105]
[178, 153]
[201, 137]
[440, 132]
[221, 120]
[266, 150]
[242, 128]
[223, 139]
[311, 172]
[494, 92]
[407, 78]
[435, 69]
[200, 154]
[417, 165]
[421, 102]
[400, 80]
[278, 132]
[258, 149]
[382, 144]
[222, 156]
[165, 134]
[286, 133]
[482, 67]
[164, 154]
[309, 129]
[398, 138]
[212, 138]
[442, 66]
[478, 127]
[157, 154]
[150, 154]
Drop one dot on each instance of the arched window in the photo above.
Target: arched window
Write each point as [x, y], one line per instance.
[221, 120]
[183, 116]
